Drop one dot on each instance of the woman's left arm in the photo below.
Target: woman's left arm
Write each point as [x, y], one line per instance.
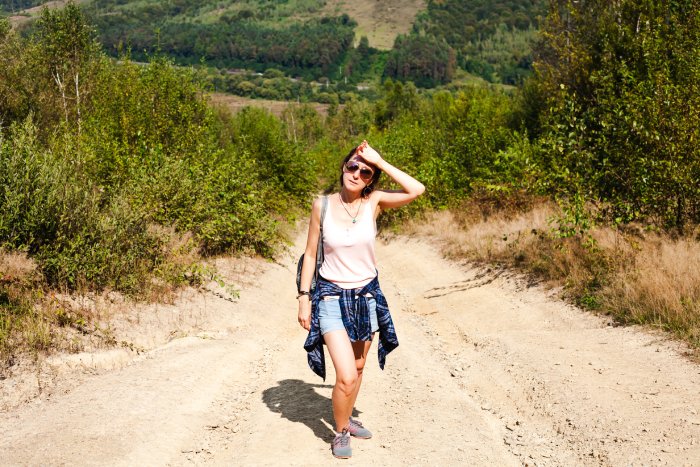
[411, 188]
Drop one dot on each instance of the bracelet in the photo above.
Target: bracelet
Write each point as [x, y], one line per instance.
[302, 293]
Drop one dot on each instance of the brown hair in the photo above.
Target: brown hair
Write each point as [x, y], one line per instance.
[372, 185]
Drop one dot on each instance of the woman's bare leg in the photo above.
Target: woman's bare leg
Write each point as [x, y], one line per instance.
[360, 349]
[344, 392]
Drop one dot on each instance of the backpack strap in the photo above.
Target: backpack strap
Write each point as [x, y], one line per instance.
[324, 208]
[319, 248]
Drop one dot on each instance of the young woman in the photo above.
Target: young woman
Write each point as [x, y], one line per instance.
[347, 306]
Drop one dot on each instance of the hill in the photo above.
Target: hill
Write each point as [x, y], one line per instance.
[491, 39]
[381, 21]
[290, 35]
[323, 39]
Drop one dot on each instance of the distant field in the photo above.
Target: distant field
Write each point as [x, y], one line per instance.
[380, 20]
[236, 103]
[31, 13]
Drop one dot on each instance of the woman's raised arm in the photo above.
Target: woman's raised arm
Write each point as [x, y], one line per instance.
[411, 188]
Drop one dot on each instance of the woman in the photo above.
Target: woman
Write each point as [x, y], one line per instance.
[348, 305]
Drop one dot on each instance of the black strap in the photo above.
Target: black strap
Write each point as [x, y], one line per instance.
[319, 248]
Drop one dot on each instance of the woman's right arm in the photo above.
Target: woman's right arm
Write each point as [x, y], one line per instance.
[309, 265]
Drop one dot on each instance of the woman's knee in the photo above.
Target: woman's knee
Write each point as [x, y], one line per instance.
[360, 366]
[346, 382]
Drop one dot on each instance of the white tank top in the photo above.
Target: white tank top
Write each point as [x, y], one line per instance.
[348, 252]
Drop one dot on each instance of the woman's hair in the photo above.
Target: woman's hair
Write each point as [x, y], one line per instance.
[372, 185]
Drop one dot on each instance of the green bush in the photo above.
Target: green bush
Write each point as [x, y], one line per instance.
[52, 210]
[620, 123]
[450, 143]
[93, 176]
[284, 166]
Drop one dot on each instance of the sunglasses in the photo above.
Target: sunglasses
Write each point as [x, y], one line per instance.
[352, 167]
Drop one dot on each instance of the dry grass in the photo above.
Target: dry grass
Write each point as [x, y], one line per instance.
[659, 284]
[19, 281]
[29, 14]
[493, 239]
[635, 276]
[381, 21]
[236, 103]
[37, 319]
[16, 266]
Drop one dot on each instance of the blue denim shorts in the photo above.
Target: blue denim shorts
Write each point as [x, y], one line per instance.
[330, 319]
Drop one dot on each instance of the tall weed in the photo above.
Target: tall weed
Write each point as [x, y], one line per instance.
[658, 284]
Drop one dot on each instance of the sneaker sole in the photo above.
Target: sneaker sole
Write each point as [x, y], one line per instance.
[360, 437]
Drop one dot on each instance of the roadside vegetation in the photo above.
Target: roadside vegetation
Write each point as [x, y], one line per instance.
[587, 176]
[601, 196]
[121, 176]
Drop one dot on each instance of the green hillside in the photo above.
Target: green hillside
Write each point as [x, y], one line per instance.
[258, 34]
[323, 40]
[13, 6]
[491, 39]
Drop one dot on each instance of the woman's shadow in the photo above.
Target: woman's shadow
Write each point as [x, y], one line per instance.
[298, 402]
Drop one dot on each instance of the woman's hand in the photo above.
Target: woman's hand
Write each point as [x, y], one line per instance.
[369, 154]
[305, 312]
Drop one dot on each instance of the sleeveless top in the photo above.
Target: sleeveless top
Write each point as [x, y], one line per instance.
[348, 252]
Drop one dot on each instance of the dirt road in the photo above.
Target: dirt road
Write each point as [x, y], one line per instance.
[489, 372]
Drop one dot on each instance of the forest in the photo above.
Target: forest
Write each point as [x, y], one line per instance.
[492, 40]
[256, 34]
[14, 6]
[121, 176]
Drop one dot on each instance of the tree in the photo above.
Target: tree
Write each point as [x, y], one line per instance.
[424, 60]
[622, 85]
[69, 45]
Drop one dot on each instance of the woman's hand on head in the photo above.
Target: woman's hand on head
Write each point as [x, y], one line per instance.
[368, 153]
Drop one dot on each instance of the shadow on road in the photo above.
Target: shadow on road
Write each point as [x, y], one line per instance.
[298, 402]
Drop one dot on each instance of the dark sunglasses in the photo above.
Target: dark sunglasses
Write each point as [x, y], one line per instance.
[365, 172]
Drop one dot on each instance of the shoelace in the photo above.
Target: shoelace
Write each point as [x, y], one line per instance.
[342, 439]
[356, 423]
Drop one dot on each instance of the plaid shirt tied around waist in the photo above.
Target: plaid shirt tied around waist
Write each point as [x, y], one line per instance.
[354, 310]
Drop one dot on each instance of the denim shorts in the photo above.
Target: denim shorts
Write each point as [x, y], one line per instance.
[330, 319]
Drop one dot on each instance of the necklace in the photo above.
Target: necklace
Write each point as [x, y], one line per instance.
[354, 218]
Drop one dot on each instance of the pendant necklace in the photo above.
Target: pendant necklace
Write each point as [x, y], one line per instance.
[354, 218]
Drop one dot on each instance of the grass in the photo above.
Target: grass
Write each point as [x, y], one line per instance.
[633, 275]
[37, 318]
[380, 21]
[22, 321]
[22, 17]
[658, 284]
[208, 12]
[236, 103]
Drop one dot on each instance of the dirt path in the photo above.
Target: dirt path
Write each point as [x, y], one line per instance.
[489, 372]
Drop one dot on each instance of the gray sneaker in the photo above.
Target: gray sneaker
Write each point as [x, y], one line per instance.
[341, 445]
[357, 430]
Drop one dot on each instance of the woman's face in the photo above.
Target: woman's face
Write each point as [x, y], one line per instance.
[357, 174]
